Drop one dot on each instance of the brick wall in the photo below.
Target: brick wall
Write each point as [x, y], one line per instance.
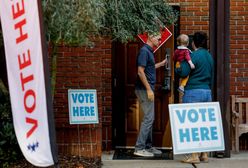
[107, 97]
[194, 15]
[239, 48]
[239, 54]
[82, 68]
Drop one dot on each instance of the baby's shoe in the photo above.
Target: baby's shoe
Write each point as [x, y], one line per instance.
[181, 89]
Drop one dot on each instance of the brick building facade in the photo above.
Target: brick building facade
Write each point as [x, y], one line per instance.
[83, 68]
[91, 68]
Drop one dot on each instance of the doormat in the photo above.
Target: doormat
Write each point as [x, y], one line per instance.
[127, 154]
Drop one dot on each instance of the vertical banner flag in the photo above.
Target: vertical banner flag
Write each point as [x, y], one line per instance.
[196, 127]
[21, 29]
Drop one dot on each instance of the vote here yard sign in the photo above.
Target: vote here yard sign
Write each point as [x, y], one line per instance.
[196, 127]
[83, 106]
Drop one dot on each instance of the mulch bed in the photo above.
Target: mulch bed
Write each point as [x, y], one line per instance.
[65, 162]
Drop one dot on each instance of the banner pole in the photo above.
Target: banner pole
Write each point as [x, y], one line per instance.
[50, 113]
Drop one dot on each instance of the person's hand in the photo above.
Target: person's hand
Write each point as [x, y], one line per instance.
[150, 95]
[192, 66]
[164, 62]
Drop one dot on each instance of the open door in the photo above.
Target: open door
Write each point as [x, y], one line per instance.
[127, 114]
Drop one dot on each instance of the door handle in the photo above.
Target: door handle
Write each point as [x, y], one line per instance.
[167, 71]
[115, 82]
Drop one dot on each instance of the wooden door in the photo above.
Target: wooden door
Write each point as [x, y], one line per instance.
[127, 114]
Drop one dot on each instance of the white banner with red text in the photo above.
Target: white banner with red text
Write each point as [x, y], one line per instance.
[23, 50]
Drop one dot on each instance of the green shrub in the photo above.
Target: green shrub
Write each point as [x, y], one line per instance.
[124, 20]
[9, 149]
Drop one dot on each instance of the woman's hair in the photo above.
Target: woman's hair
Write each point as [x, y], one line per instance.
[200, 39]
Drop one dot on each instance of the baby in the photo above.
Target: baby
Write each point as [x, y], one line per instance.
[183, 53]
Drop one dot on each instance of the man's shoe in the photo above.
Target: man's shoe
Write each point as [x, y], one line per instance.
[154, 151]
[143, 153]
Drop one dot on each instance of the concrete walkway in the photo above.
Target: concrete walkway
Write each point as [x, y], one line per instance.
[236, 161]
